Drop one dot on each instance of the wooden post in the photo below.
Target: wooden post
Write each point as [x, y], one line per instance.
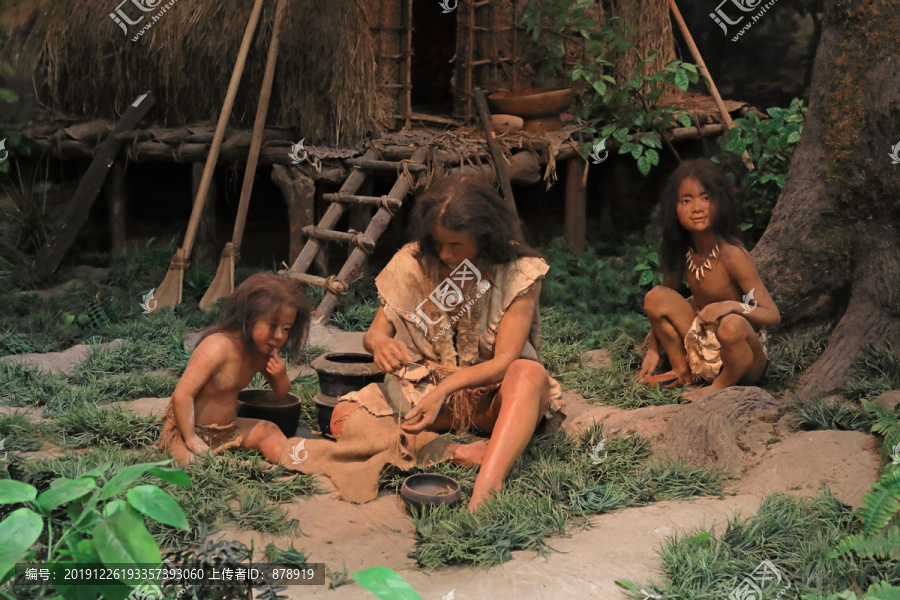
[206, 255]
[115, 198]
[360, 216]
[576, 203]
[299, 191]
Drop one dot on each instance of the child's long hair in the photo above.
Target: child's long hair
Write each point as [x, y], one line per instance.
[676, 240]
[469, 205]
[256, 298]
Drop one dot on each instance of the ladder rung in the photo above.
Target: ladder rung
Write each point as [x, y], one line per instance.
[384, 165]
[337, 236]
[322, 282]
[370, 200]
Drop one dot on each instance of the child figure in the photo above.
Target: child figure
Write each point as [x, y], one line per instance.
[715, 339]
[263, 315]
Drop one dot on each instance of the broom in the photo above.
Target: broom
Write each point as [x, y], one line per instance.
[169, 291]
[223, 283]
[704, 71]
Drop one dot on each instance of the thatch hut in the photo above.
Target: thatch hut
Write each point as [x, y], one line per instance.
[347, 68]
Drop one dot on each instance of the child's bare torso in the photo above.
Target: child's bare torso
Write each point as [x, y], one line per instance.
[716, 285]
[216, 402]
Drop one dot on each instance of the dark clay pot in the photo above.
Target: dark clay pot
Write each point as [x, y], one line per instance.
[284, 411]
[341, 373]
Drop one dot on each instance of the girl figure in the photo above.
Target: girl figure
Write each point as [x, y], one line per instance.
[715, 339]
[265, 314]
[465, 296]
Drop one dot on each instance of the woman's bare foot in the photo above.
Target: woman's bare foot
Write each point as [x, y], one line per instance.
[470, 455]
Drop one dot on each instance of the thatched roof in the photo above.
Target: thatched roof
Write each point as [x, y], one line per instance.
[324, 84]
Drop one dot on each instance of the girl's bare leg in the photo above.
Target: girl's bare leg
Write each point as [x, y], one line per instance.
[511, 419]
[743, 357]
[670, 318]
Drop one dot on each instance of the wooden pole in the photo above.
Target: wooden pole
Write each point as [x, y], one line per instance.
[576, 203]
[115, 196]
[689, 39]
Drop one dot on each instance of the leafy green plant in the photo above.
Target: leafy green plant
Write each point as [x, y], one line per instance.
[386, 584]
[770, 143]
[98, 526]
[612, 104]
[648, 267]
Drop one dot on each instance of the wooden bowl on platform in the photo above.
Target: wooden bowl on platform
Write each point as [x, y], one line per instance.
[540, 108]
[505, 123]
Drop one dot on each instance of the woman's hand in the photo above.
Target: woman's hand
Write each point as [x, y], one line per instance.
[715, 311]
[196, 445]
[651, 361]
[424, 414]
[390, 354]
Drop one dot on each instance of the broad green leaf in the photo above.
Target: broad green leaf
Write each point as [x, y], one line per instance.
[644, 165]
[8, 563]
[600, 87]
[113, 506]
[794, 137]
[386, 584]
[157, 505]
[126, 476]
[621, 134]
[685, 119]
[173, 476]
[20, 530]
[653, 155]
[122, 538]
[646, 278]
[64, 490]
[636, 151]
[13, 492]
[689, 67]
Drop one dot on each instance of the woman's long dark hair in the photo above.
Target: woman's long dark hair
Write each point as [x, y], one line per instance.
[256, 297]
[676, 240]
[469, 205]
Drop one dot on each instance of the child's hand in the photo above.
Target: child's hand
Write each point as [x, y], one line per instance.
[715, 311]
[424, 414]
[276, 367]
[196, 445]
[391, 355]
[651, 361]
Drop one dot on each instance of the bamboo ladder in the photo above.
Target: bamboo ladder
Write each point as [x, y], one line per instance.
[364, 242]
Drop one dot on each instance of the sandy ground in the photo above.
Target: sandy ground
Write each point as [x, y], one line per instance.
[744, 431]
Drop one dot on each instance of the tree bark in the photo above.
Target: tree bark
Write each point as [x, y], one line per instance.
[832, 246]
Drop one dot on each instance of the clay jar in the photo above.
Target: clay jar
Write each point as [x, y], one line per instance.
[341, 373]
[284, 411]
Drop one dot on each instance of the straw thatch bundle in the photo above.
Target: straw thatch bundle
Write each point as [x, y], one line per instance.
[651, 20]
[324, 84]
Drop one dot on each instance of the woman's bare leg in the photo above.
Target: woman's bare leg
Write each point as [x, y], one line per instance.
[670, 318]
[264, 436]
[511, 419]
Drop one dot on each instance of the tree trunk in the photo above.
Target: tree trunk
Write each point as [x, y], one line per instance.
[832, 246]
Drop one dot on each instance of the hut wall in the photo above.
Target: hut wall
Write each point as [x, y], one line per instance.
[89, 68]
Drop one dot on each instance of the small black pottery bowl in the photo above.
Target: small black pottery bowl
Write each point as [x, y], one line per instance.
[430, 489]
[284, 411]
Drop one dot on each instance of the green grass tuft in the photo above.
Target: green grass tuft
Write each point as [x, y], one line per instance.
[817, 414]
